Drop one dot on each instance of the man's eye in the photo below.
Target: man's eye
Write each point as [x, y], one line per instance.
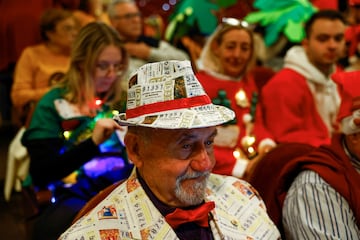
[339, 38]
[186, 146]
[209, 142]
[322, 38]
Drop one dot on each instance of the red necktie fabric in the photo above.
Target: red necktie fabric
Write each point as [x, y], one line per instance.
[198, 215]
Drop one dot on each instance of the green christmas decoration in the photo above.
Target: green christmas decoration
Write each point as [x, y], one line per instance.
[223, 100]
[191, 15]
[253, 103]
[285, 17]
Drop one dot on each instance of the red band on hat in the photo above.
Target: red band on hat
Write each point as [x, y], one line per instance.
[168, 105]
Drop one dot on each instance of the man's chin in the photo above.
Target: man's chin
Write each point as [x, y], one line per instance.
[194, 185]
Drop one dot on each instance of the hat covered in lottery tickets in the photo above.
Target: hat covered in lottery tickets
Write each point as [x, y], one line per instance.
[168, 95]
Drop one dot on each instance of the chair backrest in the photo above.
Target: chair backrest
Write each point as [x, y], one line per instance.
[93, 202]
[265, 177]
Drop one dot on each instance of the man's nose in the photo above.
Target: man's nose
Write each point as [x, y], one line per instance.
[333, 43]
[202, 161]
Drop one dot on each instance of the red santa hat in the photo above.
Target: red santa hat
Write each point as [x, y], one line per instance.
[354, 2]
[349, 89]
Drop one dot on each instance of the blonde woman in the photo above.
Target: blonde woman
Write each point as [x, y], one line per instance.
[228, 73]
[72, 140]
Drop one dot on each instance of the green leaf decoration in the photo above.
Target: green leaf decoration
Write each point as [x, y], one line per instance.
[282, 17]
[194, 14]
[225, 3]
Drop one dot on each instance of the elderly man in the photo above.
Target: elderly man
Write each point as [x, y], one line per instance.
[126, 18]
[171, 193]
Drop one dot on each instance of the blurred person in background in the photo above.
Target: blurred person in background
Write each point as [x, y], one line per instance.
[352, 35]
[41, 65]
[126, 18]
[228, 72]
[74, 145]
[300, 103]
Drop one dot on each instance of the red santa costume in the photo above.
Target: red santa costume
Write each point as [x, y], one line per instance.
[243, 138]
[300, 103]
[227, 162]
[352, 33]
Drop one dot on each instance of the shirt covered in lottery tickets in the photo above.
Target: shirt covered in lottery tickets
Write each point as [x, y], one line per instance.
[128, 213]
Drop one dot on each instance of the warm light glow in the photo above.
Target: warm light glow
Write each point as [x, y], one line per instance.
[115, 112]
[98, 102]
[66, 134]
[250, 140]
[236, 154]
[240, 95]
[251, 150]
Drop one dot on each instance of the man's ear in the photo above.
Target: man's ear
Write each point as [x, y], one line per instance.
[305, 43]
[132, 144]
[49, 34]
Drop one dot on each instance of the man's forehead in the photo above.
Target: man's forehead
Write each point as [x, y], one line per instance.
[325, 24]
[185, 133]
[125, 7]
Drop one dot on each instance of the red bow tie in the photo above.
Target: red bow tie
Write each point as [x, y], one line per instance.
[198, 215]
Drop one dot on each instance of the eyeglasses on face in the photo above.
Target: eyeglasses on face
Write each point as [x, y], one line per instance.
[128, 16]
[106, 66]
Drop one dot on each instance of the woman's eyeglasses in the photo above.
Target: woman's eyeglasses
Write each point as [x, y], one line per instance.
[106, 67]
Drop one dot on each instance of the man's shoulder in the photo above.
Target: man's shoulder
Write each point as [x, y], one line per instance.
[286, 74]
[284, 78]
[307, 177]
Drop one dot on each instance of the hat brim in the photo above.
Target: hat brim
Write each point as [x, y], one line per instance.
[195, 117]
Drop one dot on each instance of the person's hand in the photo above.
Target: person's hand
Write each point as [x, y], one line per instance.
[139, 50]
[103, 129]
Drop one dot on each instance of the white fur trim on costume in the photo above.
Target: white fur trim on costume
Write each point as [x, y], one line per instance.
[240, 167]
[347, 124]
[266, 142]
